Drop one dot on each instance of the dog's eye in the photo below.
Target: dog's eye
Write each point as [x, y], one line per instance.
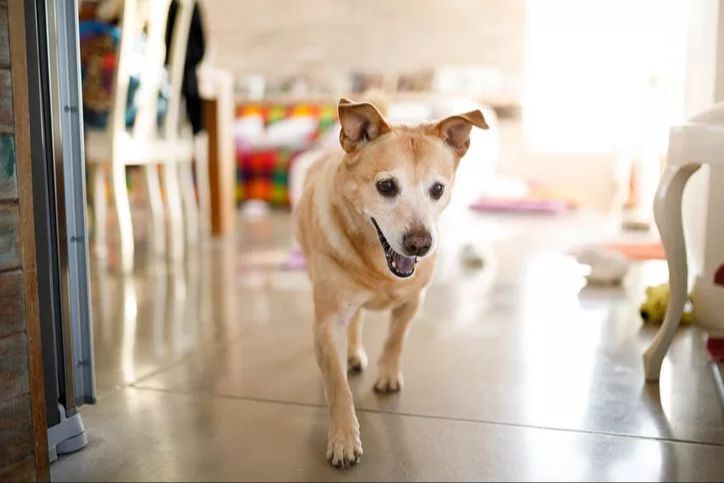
[437, 190]
[387, 187]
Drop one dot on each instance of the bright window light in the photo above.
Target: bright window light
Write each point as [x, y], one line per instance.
[602, 75]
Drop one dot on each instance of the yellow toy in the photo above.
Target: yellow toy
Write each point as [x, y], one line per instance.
[653, 309]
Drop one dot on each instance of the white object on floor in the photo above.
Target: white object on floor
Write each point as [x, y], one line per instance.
[699, 141]
[255, 209]
[634, 221]
[607, 266]
[472, 257]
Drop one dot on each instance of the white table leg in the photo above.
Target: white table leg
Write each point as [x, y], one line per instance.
[667, 211]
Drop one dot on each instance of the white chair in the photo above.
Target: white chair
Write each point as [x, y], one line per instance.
[145, 144]
[699, 141]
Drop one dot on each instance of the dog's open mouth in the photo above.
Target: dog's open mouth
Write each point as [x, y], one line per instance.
[400, 265]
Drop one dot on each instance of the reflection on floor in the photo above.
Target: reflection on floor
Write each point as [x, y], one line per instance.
[516, 371]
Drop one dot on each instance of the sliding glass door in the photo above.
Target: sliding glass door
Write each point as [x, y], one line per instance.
[60, 214]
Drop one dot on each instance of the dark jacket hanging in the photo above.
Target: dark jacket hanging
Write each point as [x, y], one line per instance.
[194, 55]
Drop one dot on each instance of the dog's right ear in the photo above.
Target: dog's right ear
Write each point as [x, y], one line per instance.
[361, 122]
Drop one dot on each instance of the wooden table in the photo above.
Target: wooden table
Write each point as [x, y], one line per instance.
[218, 107]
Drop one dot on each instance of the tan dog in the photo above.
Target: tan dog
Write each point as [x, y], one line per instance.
[366, 225]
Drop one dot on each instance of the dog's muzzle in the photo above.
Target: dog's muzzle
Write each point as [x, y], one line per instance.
[403, 266]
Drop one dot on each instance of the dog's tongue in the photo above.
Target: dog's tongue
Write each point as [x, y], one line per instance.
[404, 265]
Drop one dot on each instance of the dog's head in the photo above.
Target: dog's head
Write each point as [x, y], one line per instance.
[400, 178]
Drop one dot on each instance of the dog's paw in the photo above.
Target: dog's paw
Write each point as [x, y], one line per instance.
[389, 382]
[357, 361]
[344, 448]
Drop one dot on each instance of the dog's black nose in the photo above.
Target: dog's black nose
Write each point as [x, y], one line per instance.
[417, 243]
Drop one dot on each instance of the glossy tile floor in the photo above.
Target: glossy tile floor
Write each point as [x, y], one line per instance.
[517, 371]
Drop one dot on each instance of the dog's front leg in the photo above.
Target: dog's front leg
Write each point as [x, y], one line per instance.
[330, 345]
[390, 364]
[356, 355]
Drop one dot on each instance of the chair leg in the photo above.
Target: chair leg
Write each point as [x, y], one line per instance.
[100, 212]
[191, 208]
[667, 211]
[201, 147]
[175, 211]
[123, 212]
[155, 201]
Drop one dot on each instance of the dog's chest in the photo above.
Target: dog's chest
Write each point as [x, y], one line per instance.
[386, 299]
[391, 294]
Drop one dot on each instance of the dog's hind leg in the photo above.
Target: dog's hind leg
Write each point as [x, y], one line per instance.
[356, 355]
[330, 347]
[390, 364]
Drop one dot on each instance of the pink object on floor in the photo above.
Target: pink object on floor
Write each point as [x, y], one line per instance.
[295, 261]
[521, 205]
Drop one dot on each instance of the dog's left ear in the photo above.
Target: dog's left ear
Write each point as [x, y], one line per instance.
[455, 130]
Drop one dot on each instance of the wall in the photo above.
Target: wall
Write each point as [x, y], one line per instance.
[281, 37]
[704, 81]
[23, 443]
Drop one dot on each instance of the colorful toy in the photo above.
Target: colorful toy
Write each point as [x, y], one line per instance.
[653, 309]
[262, 172]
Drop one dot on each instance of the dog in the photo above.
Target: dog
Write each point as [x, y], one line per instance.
[366, 223]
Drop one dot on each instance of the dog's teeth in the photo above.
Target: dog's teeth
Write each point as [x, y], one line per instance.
[393, 264]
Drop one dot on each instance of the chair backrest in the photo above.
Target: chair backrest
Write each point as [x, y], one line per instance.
[150, 17]
[153, 65]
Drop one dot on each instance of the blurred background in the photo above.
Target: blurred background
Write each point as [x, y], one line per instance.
[525, 359]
